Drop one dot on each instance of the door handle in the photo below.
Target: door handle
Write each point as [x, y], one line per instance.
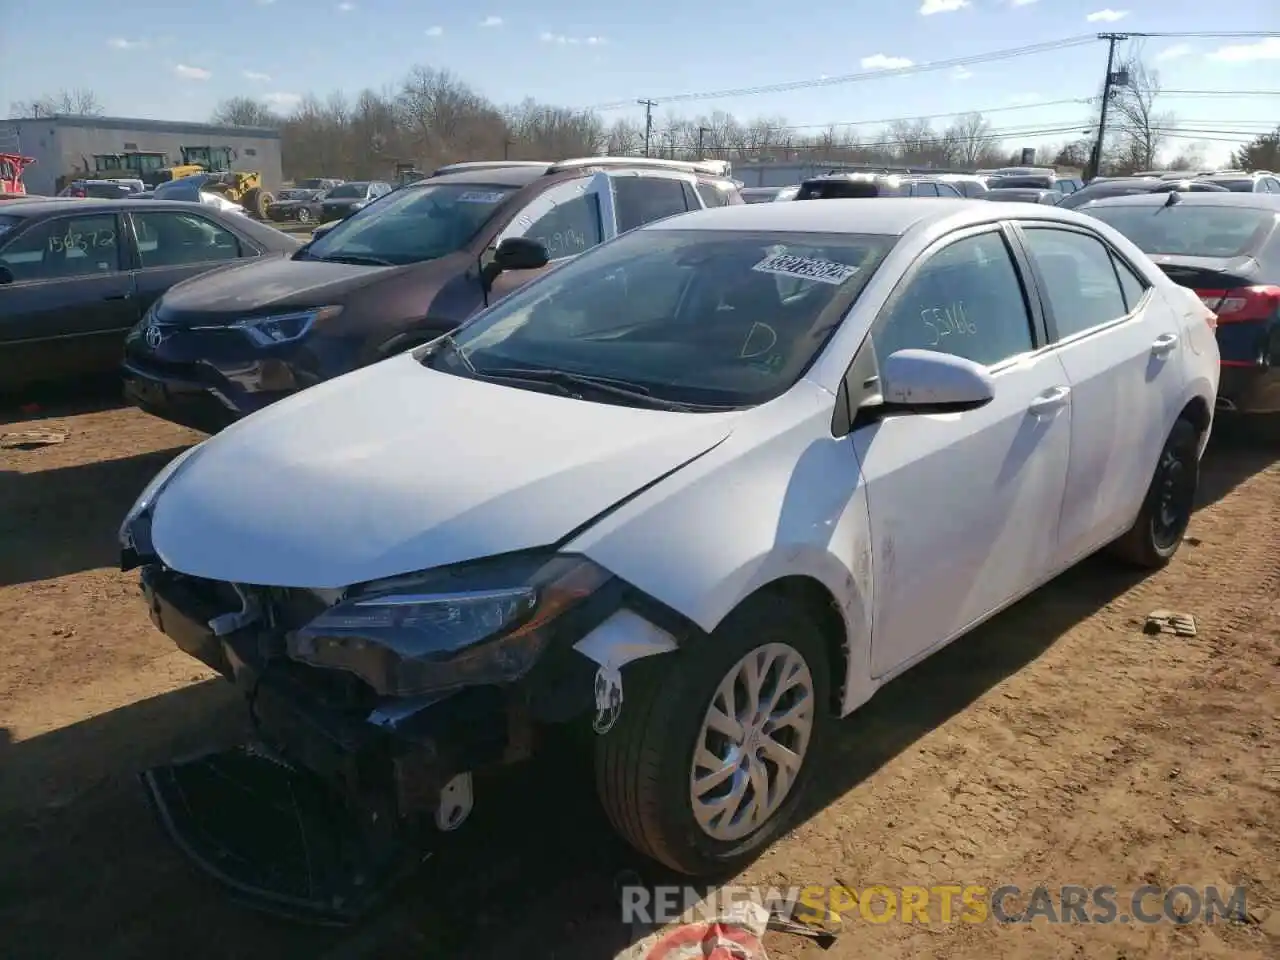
[118, 296]
[1164, 344]
[1049, 401]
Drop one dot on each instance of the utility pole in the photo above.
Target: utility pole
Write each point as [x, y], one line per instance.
[648, 121]
[701, 131]
[506, 148]
[1095, 161]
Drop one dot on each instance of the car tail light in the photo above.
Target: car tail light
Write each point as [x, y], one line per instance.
[1242, 303]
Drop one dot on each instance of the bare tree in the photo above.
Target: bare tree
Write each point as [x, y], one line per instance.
[244, 112]
[972, 141]
[1192, 158]
[79, 102]
[1141, 129]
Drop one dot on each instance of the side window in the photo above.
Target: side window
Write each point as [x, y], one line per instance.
[924, 190]
[1079, 281]
[641, 200]
[947, 190]
[170, 239]
[1133, 286]
[691, 201]
[63, 249]
[712, 197]
[569, 228]
[965, 300]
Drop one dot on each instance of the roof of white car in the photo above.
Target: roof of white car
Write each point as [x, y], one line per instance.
[887, 216]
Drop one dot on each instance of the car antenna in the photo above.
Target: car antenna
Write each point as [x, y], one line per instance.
[1173, 198]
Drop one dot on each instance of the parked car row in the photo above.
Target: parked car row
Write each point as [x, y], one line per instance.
[680, 479]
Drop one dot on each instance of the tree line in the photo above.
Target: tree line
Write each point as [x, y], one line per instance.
[433, 117]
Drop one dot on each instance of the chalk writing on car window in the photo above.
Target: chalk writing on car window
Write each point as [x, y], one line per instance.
[481, 196]
[806, 268]
[761, 338]
[947, 321]
[73, 240]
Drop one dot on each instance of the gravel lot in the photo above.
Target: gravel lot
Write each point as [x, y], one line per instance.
[1059, 744]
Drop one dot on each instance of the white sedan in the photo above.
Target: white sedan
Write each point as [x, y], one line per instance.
[703, 489]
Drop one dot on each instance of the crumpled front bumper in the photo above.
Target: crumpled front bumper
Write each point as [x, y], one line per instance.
[364, 775]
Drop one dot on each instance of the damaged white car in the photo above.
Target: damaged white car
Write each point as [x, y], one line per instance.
[702, 489]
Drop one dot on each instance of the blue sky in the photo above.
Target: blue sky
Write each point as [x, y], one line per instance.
[153, 58]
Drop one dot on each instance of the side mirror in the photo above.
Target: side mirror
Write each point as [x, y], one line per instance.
[6, 276]
[925, 381]
[515, 253]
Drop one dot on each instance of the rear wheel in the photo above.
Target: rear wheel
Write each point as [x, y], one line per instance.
[256, 200]
[1166, 512]
[710, 755]
[304, 215]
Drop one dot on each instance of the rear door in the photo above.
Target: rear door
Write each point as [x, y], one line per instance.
[568, 219]
[1120, 344]
[71, 299]
[172, 246]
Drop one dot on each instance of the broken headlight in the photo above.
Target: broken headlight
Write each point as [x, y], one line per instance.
[474, 624]
[284, 327]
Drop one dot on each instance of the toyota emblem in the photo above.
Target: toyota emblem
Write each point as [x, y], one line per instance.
[154, 336]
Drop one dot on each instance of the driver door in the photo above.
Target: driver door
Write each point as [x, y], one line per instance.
[568, 219]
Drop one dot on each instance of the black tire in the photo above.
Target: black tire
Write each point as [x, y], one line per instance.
[304, 215]
[256, 201]
[1166, 511]
[644, 764]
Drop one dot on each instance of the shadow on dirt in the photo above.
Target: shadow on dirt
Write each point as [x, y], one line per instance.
[1239, 448]
[64, 520]
[86, 868]
[87, 395]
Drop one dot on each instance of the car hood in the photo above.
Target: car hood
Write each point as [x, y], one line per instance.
[265, 284]
[397, 468]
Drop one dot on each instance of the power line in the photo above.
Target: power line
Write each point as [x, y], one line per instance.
[936, 116]
[1219, 93]
[1208, 35]
[905, 70]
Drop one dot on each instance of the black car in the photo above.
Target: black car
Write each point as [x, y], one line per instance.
[839, 186]
[297, 205]
[1101, 188]
[1226, 247]
[77, 274]
[344, 200]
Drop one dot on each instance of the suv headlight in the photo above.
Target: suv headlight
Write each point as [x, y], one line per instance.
[474, 624]
[284, 327]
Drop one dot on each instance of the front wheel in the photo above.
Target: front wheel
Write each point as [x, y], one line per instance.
[1166, 512]
[304, 215]
[711, 752]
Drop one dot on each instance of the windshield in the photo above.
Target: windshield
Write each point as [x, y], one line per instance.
[1035, 183]
[838, 189]
[348, 190]
[417, 223]
[699, 317]
[1190, 230]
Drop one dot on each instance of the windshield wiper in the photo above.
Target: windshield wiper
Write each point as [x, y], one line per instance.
[611, 386]
[356, 260]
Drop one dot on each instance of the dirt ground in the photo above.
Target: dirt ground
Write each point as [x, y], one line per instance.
[1057, 745]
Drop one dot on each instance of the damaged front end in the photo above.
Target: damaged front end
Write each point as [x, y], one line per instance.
[372, 709]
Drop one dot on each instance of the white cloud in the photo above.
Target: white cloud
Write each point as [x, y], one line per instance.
[1175, 51]
[878, 61]
[929, 7]
[491, 21]
[562, 40]
[257, 76]
[960, 73]
[434, 31]
[191, 73]
[284, 100]
[120, 43]
[1107, 16]
[1268, 49]
[346, 6]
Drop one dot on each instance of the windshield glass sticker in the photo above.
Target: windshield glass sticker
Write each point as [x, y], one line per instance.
[481, 196]
[608, 690]
[806, 268]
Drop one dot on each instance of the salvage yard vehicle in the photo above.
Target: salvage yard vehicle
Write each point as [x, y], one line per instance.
[77, 274]
[685, 492]
[1225, 247]
[1023, 195]
[350, 197]
[412, 266]
[836, 186]
[296, 204]
[11, 167]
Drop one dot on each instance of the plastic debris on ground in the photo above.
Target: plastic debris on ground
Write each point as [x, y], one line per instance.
[735, 934]
[1168, 621]
[277, 837]
[31, 439]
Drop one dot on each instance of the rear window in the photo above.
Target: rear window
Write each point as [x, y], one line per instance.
[839, 189]
[348, 190]
[1190, 231]
[1235, 186]
[1035, 183]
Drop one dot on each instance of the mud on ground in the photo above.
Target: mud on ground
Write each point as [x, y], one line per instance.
[1058, 744]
